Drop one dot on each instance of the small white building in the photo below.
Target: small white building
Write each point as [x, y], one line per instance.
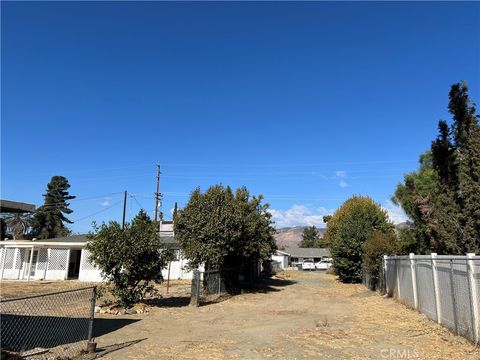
[292, 256]
[66, 258]
[282, 258]
[63, 258]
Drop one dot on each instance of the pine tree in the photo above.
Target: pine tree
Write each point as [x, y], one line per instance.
[465, 186]
[310, 237]
[447, 215]
[49, 219]
[469, 186]
[175, 210]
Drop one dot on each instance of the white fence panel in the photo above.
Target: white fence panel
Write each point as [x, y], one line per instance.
[445, 288]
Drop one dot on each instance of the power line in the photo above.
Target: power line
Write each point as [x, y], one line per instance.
[97, 212]
[295, 164]
[81, 199]
[135, 198]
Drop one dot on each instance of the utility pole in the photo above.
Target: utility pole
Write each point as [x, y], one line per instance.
[157, 194]
[124, 208]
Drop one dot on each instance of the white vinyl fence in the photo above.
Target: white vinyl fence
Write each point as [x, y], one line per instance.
[444, 288]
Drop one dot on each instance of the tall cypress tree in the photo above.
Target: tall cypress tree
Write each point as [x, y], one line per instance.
[466, 157]
[175, 210]
[49, 219]
[456, 158]
[447, 215]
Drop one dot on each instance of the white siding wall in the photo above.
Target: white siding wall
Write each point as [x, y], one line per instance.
[282, 259]
[52, 264]
[10, 269]
[88, 271]
[57, 263]
[42, 260]
[178, 271]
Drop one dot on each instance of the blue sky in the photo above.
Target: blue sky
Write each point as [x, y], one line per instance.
[306, 103]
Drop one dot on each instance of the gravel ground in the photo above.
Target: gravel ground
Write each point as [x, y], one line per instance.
[297, 315]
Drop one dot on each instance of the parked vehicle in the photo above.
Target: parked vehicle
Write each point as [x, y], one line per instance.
[323, 264]
[308, 265]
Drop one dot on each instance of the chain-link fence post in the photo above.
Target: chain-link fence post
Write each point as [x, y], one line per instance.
[195, 289]
[92, 313]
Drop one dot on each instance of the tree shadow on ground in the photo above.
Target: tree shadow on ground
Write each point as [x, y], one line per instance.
[266, 285]
[168, 302]
[102, 326]
[262, 286]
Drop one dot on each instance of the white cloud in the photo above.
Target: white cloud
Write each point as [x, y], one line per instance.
[299, 215]
[105, 202]
[395, 213]
[341, 175]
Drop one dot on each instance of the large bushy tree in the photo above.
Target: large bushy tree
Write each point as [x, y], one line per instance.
[348, 229]
[130, 258]
[225, 231]
[443, 196]
[49, 219]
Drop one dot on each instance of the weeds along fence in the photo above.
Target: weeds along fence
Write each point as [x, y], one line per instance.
[444, 288]
[47, 326]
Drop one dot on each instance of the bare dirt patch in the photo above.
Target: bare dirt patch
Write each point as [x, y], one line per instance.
[298, 315]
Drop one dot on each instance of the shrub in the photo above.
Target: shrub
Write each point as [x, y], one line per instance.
[348, 229]
[130, 258]
[377, 245]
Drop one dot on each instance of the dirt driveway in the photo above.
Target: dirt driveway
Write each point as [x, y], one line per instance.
[302, 316]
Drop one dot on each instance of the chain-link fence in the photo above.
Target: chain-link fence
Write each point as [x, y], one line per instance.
[444, 288]
[206, 286]
[47, 326]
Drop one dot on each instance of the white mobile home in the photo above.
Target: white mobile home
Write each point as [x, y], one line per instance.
[66, 258]
[63, 258]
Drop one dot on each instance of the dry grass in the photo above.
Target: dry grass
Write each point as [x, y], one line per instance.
[12, 288]
[376, 322]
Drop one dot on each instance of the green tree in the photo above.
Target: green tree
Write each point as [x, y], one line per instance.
[130, 258]
[225, 231]
[310, 237]
[175, 211]
[348, 229]
[443, 196]
[49, 219]
[416, 195]
[326, 218]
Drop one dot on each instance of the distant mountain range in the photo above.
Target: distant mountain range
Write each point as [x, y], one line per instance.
[291, 236]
